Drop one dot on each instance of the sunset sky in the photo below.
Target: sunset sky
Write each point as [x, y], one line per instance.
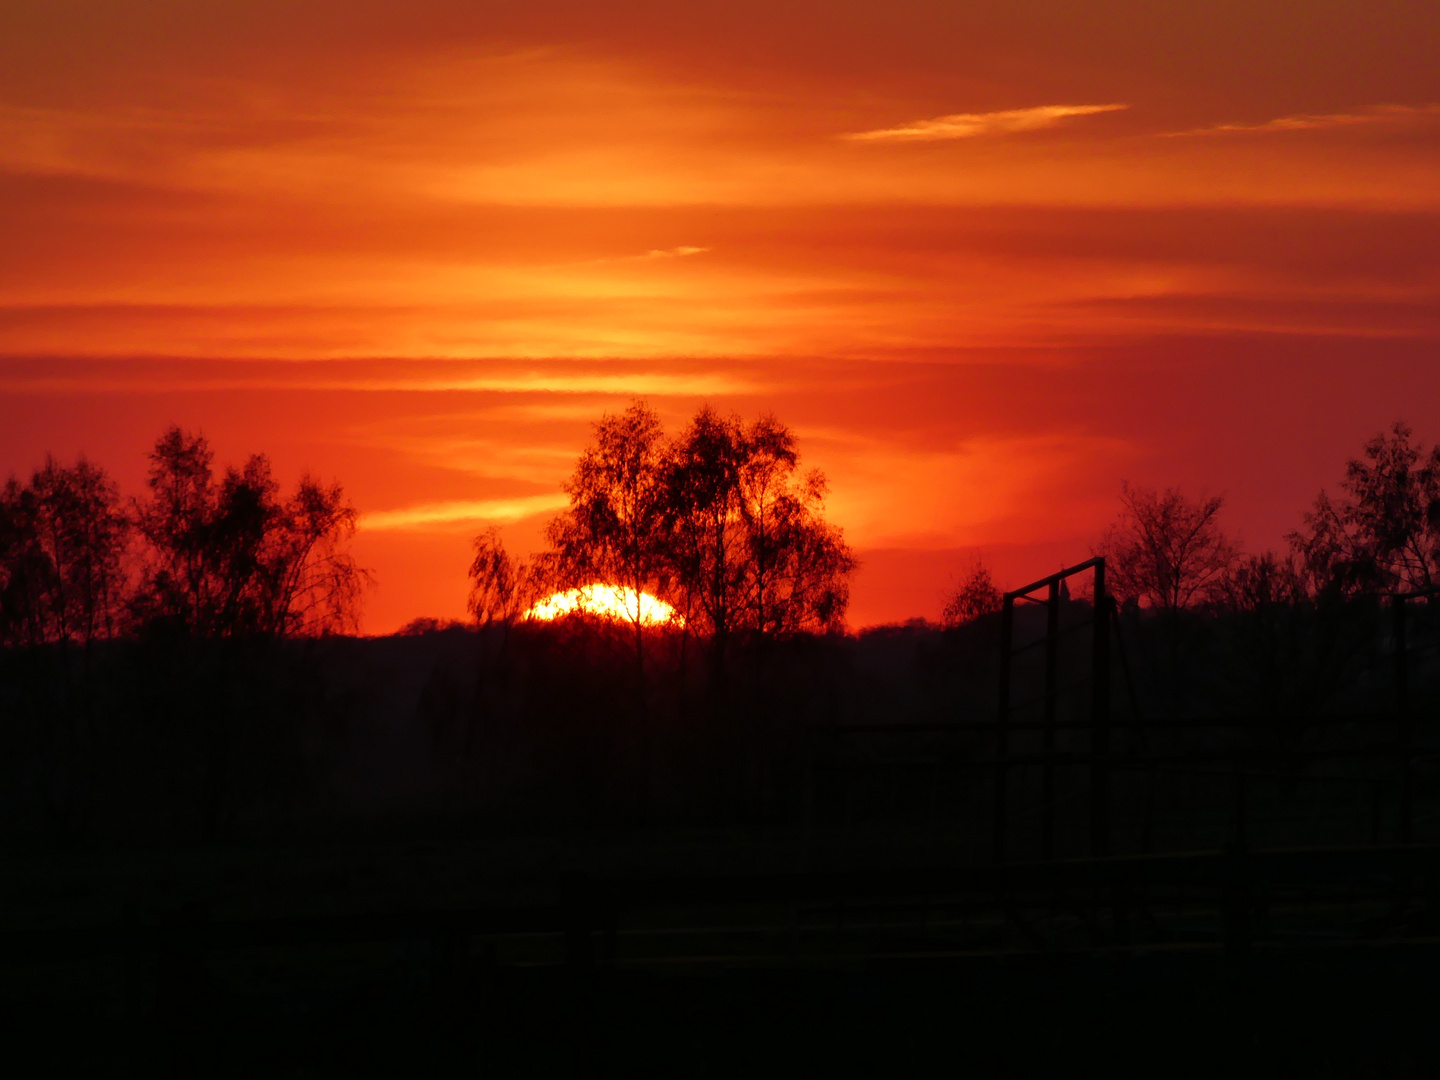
[988, 261]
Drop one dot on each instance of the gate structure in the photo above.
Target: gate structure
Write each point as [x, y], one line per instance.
[1050, 593]
[1063, 763]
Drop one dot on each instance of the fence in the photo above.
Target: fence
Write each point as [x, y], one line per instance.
[1065, 764]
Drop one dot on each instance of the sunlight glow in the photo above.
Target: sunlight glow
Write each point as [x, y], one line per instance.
[610, 601]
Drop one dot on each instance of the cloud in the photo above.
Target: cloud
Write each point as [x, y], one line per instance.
[640, 383]
[441, 514]
[1391, 115]
[675, 252]
[971, 125]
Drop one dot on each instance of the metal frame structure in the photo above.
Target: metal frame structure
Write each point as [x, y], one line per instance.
[1099, 724]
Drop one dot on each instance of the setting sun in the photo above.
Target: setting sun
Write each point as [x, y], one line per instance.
[609, 601]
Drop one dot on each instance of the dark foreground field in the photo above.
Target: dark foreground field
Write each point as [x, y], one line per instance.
[461, 853]
[1356, 1014]
[415, 959]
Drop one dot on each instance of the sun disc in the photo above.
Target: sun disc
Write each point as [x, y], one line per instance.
[617, 602]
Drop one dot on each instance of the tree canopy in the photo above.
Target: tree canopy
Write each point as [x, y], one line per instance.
[1166, 550]
[63, 537]
[232, 556]
[718, 521]
[1383, 532]
[975, 596]
[202, 555]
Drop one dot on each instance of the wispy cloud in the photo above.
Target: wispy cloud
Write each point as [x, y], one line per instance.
[632, 383]
[1392, 115]
[442, 514]
[972, 125]
[640, 383]
[675, 252]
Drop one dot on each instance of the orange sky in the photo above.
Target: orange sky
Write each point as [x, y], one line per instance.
[987, 264]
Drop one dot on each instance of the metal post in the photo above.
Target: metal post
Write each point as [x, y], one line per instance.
[1100, 719]
[1402, 720]
[1052, 671]
[1002, 739]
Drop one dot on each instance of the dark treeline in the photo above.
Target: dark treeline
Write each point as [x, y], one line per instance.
[1286, 632]
[175, 666]
[201, 555]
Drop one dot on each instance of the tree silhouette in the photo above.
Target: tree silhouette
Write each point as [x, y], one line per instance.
[62, 542]
[800, 564]
[719, 521]
[1383, 533]
[705, 545]
[233, 557]
[613, 529]
[502, 588]
[748, 546]
[1166, 551]
[1260, 583]
[976, 595]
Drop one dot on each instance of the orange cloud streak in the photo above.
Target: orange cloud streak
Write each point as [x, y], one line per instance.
[973, 125]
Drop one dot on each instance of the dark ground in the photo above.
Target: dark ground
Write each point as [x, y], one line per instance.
[1368, 1013]
[188, 853]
